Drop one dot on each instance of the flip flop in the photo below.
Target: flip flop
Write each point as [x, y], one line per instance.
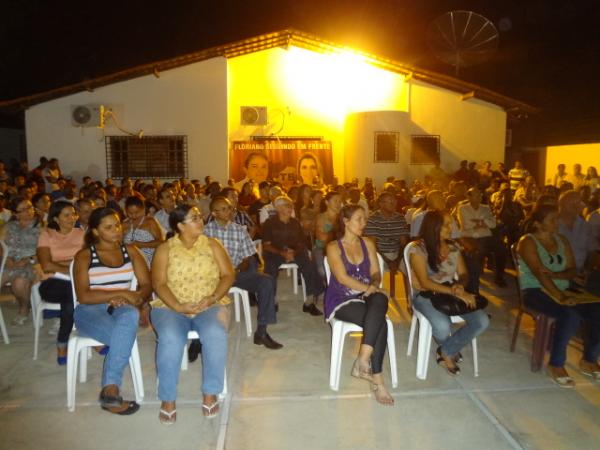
[166, 417]
[211, 411]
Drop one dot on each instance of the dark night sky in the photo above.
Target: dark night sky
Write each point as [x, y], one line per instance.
[549, 57]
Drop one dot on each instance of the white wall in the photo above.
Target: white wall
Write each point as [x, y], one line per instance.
[472, 130]
[469, 129]
[189, 100]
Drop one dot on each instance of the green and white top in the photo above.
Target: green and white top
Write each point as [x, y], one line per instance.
[553, 262]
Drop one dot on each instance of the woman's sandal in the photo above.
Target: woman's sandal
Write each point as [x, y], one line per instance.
[211, 411]
[376, 388]
[362, 372]
[453, 371]
[166, 417]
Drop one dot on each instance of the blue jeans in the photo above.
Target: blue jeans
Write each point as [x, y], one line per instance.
[172, 333]
[567, 320]
[476, 323]
[118, 330]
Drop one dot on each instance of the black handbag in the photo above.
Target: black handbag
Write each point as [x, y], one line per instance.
[451, 305]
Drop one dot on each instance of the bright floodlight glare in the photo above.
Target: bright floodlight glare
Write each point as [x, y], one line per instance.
[334, 85]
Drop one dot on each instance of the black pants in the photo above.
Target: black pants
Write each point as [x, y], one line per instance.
[54, 290]
[474, 260]
[371, 317]
[306, 266]
[263, 286]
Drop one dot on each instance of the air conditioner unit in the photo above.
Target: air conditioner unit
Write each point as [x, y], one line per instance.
[253, 115]
[87, 116]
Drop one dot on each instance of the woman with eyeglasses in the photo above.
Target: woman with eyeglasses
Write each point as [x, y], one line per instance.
[191, 275]
[546, 264]
[21, 238]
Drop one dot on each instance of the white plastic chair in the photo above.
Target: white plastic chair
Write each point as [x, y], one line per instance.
[37, 311]
[291, 268]
[339, 330]
[80, 348]
[425, 331]
[4, 248]
[184, 362]
[241, 295]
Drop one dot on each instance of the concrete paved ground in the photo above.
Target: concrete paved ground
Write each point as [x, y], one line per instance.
[281, 399]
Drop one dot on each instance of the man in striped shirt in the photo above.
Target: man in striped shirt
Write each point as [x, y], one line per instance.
[389, 230]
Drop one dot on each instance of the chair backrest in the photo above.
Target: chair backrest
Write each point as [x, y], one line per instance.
[328, 269]
[258, 245]
[515, 258]
[134, 283]
[409, 272]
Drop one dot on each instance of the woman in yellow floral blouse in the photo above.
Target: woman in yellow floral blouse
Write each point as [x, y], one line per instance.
[191, 274]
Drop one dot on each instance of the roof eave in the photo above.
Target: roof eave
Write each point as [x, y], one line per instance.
[283, 38]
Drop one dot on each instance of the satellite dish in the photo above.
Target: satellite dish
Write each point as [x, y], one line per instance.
[462, 38]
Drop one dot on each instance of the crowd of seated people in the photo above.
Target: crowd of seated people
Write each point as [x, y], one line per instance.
[460, 220]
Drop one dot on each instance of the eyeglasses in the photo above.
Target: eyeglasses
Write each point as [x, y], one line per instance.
[27, 208]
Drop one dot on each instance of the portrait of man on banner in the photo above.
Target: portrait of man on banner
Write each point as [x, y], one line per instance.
[289, 162]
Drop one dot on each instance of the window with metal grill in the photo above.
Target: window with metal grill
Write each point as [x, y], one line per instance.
[146, 157]
[425, 149]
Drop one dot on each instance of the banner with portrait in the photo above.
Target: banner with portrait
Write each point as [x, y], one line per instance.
[287, 161]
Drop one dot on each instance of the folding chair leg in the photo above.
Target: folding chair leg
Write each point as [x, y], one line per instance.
[336, 357]
[513, 342]
[184, 359]
[539, 342]
[247, 313]
[37, 324]
[423, 349]
[411, 335]
[71, 374]
[295, 280]
[475, 358]
[83, 359]
[391, 342]
[3, 329]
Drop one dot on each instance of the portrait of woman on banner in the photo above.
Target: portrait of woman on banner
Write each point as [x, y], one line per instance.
[309, 169]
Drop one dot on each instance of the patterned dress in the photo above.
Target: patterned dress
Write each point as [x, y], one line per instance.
[22, 244]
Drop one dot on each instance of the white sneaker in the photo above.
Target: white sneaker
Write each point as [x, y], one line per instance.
[53, 331]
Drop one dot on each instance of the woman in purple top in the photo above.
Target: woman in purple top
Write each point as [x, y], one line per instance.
[353, 295]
